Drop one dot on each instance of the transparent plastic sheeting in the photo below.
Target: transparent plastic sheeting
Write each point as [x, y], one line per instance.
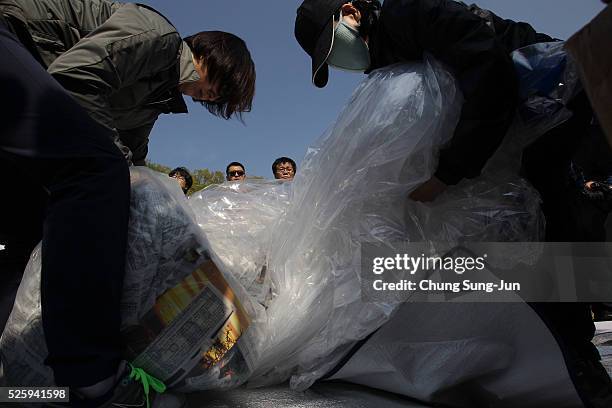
[352, 187]
[238, 219]
[291, 251]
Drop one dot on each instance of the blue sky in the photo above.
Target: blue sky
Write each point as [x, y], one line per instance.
[289, 114]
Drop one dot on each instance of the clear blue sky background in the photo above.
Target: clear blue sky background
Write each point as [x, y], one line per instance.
[289, 114]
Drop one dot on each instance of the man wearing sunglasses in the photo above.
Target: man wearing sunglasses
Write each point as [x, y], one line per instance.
[235, 172]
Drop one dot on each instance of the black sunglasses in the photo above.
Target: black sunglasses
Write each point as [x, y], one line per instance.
[237, 173]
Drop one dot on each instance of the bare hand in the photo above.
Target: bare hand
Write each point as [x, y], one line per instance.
[429, 190]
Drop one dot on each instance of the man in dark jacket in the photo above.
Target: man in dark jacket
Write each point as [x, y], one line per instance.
[475, 45]
[126, 63]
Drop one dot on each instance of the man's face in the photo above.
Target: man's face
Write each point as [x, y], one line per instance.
[202, 90]
[235, 173]
[284, 171]
[181, 180]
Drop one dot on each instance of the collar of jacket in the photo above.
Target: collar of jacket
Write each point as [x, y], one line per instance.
[188, 72]
[174, 102]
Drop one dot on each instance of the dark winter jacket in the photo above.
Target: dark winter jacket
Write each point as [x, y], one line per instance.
[475, 45]
[122, 62]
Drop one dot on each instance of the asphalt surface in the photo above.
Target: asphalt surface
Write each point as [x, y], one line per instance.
[322, 395]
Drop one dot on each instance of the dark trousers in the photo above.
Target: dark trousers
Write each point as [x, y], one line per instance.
[546, 165]
[63, 180]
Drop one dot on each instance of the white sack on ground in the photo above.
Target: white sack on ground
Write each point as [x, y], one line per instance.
[498, 355]
[184, 321]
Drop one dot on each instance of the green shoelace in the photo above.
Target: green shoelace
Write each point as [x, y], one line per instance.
[147, 380]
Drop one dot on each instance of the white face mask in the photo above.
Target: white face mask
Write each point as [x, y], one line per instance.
[349, 51]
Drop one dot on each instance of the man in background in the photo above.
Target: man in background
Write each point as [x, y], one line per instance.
[181, 174]
[235, 172]
[284, 168]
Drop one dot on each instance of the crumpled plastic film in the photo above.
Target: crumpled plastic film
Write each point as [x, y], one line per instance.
[352, 188]
[238, 219]
[22, 344]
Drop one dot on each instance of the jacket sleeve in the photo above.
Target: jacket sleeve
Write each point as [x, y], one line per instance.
[485, 74]
[137, 140]
[125, 48]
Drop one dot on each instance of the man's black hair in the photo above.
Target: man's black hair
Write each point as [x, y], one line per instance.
[228, 63]
[183, 172]
[281, 160]
[234, 164]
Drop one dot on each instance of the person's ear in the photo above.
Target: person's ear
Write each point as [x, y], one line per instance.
[350, 11]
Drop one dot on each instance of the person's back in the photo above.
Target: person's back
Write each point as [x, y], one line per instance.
[509, 33]
[55, 26]
[475, 44]
[512, 34]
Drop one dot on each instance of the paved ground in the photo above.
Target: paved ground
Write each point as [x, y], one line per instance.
[603, 341]
[324, 395]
